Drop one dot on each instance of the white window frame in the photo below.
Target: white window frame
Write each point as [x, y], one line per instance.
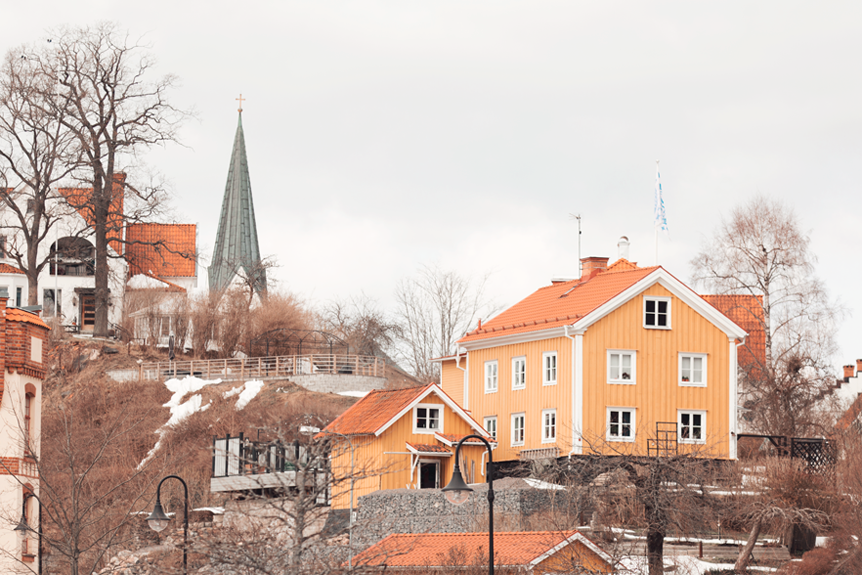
[437, 406]
[491, 419]
[492, 377]
[518, 442]
[546, 436]
[522, 384]
[692, 356]
[632, 424]
[702, 414]
[546, 375]
[622, 352]
[656, 298]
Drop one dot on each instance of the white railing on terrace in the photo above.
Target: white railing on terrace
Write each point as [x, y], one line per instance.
[265, 367]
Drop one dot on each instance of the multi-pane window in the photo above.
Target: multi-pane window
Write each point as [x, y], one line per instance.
[657, 312]
[621, 424]
[518, 429]
[549, 425]
[549, 368]
[491, 425]
[490, 376]
[692, 427]
[621, 366]
[692, 369]
[427, 419]
[519, 372]
[28, 414]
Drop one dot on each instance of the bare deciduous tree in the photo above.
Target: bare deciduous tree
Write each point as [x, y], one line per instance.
[761, 251]
[362, 324]
[36, 152]
[435, 309]
[114, 112]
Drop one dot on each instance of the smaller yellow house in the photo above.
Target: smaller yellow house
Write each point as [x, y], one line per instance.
[402, 438]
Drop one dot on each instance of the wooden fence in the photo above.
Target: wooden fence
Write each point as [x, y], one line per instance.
[265, 367]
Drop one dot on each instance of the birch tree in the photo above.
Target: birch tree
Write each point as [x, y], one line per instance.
[762, 251]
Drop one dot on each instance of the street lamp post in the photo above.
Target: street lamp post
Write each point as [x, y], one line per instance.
[158, 520]
[458, 492]
[352, 480]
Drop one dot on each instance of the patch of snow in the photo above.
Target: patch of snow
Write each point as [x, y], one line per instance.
[252, 388]
[232, 392]
[188, 384]
[539, 484]
[353, 393]
[213, 510]
[142, 281]
[695, 566]
[821, 541]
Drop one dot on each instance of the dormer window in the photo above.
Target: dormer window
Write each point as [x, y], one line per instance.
[428, 418]
[656, 312]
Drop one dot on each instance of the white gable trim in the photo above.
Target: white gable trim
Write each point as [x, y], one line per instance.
[448, 443]
[576, 537]
[506, 339]
[434, 388]
[675, 287]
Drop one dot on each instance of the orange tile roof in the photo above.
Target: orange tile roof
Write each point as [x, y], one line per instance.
[7, 269]
[439, 549]
[373, 411]
[561, 303]
[746, 311]
[81, 200]
[850, 416]
[428, 448]
[165, 250]
[17, 314]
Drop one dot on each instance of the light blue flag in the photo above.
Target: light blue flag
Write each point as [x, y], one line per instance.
[660, 215]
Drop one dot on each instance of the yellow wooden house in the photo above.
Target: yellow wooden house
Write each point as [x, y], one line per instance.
[402, 438]
[626, 359]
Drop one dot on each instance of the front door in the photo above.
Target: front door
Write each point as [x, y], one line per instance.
[429, 474]
[88, 312]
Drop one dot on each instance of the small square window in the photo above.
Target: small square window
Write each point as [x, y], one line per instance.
[490, 376]
[621, 366]
[692, 427]
[518, 429]
[519, 372]
[549, 368]
[621, 424]
[657, 312]
[692, 369]
[428, 419]
[491, 425]
[549, 425]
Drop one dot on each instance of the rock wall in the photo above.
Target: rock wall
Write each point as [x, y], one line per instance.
[336, 383]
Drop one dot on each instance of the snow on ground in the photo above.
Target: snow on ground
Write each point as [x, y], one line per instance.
[681, 565]
[252, 388]
[180, 410]
[539, 484]
[353, 393]
[142, 281]
[232, 392]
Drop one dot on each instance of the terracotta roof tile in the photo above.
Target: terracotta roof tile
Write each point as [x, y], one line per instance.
[439, 549]
[561, 303]
[371, 412]
[428, 448]
[7, 269]
[165, 250]
[746, 311]
[17, 314]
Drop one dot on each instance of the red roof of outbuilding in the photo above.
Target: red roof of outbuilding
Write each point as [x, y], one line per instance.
[438, 549]
[162, 250]
[374, 410]
[16, 314]
[562, 303]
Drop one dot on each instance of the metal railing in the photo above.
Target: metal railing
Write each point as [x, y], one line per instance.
[265, 367]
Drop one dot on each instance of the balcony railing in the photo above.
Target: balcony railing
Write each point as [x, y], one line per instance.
[265, 367]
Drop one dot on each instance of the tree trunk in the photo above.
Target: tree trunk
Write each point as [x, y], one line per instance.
[655, 550]
[742, 561]
[102, 197]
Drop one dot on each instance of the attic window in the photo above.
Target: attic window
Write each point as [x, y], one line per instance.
[657, 312]
[428, 418]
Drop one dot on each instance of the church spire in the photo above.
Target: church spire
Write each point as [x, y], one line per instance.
[236, 242]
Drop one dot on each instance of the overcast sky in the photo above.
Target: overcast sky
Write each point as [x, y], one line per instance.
[387, 135]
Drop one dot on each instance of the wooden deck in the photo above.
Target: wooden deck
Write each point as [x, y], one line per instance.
[278, 367]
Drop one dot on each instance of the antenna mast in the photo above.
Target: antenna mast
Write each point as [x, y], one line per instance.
[580, 263]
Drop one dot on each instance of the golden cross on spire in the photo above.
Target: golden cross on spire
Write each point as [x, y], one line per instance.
[240, 99]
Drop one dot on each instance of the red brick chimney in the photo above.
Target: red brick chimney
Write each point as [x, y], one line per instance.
[858, 365]
[848, 372]
[592, 266]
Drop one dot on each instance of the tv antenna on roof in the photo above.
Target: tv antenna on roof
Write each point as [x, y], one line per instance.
[580, 263]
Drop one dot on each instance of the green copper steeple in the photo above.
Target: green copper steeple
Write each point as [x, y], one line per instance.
[236, 242]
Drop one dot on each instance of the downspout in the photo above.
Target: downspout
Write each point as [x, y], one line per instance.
[732, 449]
[572, 418]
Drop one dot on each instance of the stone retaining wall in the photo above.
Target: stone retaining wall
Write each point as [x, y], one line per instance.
[336, 383]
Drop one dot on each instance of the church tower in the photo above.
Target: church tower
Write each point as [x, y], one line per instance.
[236, 242]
